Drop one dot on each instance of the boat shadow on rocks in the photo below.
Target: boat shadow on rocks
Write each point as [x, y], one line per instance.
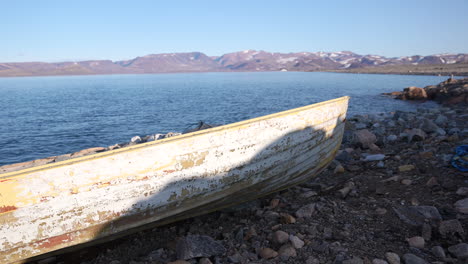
[184, 176]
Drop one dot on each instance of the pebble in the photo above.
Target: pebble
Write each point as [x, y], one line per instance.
[392, 258]
[193, 246]
[450, 228]
[287, 218]
[312, 260]
[306, 211]
[136, 139]
[406, 182]
[280, 237]
[274, 203]
[354, 260]
[287, 251]
[416, 241]
[462, 206]
[392, 138]
[380, 211]
[205, 261]
[460, 251]
[463, 191]
[379, 261]
[404, 168]
[439, 252]
[179, 262]
[296, 242]
[374, 157]
[413, 259]
[339, 169]
[268, 253]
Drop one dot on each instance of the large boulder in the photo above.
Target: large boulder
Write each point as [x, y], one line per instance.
[413, 93]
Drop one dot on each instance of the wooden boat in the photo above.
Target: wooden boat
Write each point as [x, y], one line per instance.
[102, 196]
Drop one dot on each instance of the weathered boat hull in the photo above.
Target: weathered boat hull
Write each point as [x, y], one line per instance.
[98, 197]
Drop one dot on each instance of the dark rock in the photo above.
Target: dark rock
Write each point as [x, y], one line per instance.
[354, 260]
[450, 228]
[426, 232]
[194, 246]
[287, 251]
[417, 215]
[413, 259]
[280, 237]
[392, 258]
[305, 211]
[462, 206]
[268, 253]
[439, 252]
[365, 138]
[460, 251]
[413, 93]
[415, 134]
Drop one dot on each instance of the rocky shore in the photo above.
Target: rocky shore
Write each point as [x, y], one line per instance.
[450, 92]
[390, 196]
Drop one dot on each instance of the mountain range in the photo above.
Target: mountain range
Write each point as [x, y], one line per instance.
[248, 60]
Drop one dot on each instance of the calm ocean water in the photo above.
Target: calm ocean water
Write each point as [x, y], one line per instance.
[47, 116]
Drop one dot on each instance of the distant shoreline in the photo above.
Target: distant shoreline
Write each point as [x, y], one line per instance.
[352, 71]
[436, 70]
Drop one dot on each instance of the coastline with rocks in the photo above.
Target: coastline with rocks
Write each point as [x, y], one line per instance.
[390, 196]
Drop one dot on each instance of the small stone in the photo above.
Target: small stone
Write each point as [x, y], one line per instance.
[306, 211]
[379, 261]
[460, 251]
[462, 206]
[194, 246]
[280, 237]
[463, 191]
[287, 251]
[296, 242]
[432, 182]
[136, 139]
[418, 215]
[380, 164]
[354, 260]
[415, 134]
[287, 218]
[451, 228]
[365, 137]
[236, 258]
[380, 211]
[392, 258]
[416, 241]
[308, 194]
[179, 262]
[404, 168]
[392, 138]
[413, 259]
[268, 253]
[406, 182]
[312, 260]
[439, 252]
[374, 157]
[339, 169]
[428, 126]
[426, 232]
[346, 189]
[441, 120]
[426, 154]
[274, 203]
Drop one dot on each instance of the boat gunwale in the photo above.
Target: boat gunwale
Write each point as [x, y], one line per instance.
[103, 154]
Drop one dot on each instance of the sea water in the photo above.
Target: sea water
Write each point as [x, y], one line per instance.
[47, 116]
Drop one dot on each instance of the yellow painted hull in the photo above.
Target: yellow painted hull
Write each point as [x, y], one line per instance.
[99, 197]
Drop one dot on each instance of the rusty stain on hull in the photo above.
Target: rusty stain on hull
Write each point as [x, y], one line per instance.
[94, 198]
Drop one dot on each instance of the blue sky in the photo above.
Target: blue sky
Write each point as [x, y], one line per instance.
[79, 30]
